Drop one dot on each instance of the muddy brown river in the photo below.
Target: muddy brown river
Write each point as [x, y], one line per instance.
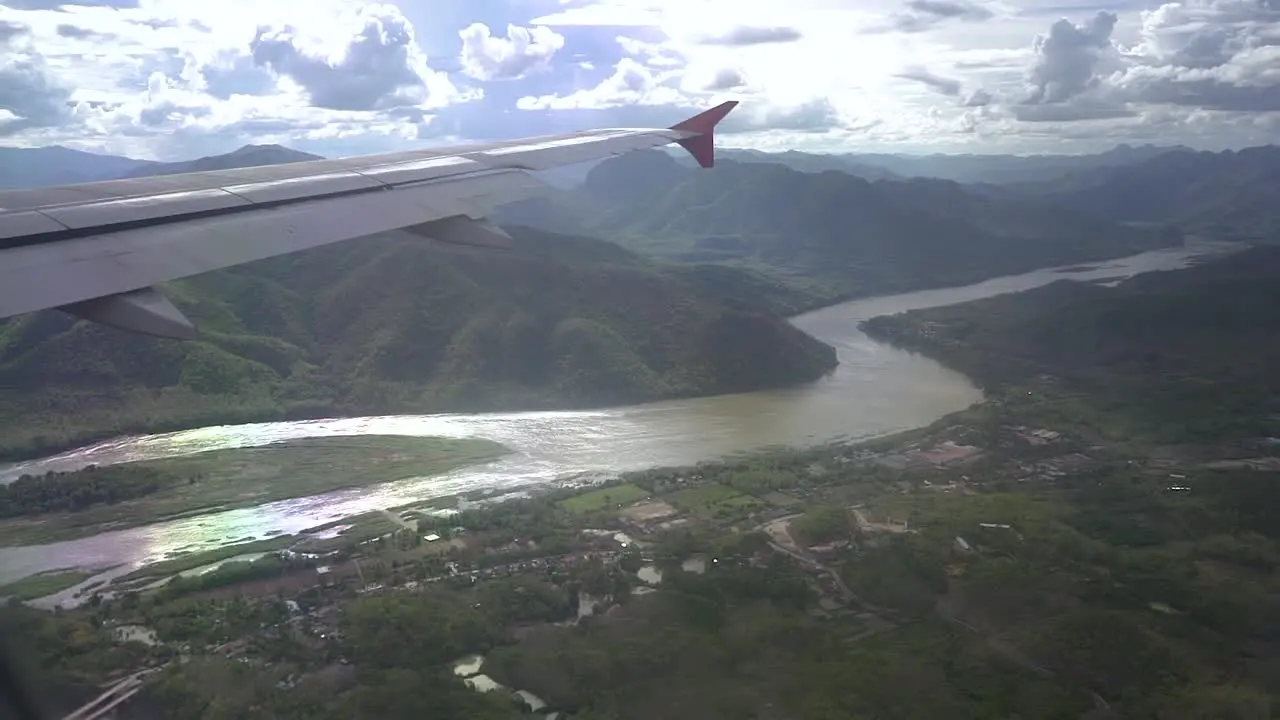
[876, 389]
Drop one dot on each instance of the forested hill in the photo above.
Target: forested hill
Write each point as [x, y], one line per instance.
[851, 235]
[1185, 356]
[398, 323]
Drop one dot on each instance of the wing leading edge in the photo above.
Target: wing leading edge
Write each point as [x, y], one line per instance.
[97, 250]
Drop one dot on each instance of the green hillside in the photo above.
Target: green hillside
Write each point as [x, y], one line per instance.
[397, 323]
[847, 235]
[1185, 356]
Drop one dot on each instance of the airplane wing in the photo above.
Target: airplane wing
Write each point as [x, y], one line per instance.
[97, 250]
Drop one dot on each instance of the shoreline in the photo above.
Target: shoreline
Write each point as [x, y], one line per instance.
[634, 423]
[122, 577]
[214, 481]
[131, 431]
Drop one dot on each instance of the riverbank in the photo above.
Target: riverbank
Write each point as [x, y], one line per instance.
[44, 584]
[221, 480]
[876, 390]
[152, 411]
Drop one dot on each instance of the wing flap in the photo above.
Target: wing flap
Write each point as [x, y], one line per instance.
[144, 311]
[304, 188]
[462, 230]
[118, 211]
[414, 171]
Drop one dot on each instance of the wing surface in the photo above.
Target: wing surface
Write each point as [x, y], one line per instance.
[98, 249]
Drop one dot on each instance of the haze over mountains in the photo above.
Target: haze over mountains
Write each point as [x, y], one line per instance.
[690, 300]
[965, 168]
[39, 167]
[1228, 195]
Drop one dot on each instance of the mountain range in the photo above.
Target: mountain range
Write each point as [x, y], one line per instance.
[247, 156]
[1225, 195]
[1232, 195]
[846, 235]
[962, 168]
[56, 165]
[1003, 169]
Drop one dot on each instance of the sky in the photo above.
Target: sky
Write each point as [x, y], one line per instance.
[176, 79]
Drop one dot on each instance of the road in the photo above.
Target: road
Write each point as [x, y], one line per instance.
[779, 532]
[113, 697]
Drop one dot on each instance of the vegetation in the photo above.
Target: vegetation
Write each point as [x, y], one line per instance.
[43, 584]
[821, 524]
[1174, 357]
[52, 492]
[61, 657]
[710, 499]
[63, 506]
[609, 497]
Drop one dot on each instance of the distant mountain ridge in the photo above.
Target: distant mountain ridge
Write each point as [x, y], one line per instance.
[813, 162]
[57, 165]
[1007, 169]
[852, 236]
[247, 156]
[1233, 194]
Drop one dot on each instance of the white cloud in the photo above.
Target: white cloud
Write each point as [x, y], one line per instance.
[630, 84]
[376, 64]
[523, 51]
[172, 78]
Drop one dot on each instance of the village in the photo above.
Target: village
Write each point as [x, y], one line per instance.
[816, 511]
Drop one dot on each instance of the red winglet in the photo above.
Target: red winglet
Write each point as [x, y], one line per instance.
[703, 145]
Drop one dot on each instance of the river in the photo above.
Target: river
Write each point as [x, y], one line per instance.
[875, 390]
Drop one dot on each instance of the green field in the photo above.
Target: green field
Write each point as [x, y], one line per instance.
[48, 583]
[605, 498]
[709, 497]
[243, 477]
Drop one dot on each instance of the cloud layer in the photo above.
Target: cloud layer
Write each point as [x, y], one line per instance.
[171, 79]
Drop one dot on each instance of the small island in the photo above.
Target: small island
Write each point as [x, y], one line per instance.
[70, 505]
